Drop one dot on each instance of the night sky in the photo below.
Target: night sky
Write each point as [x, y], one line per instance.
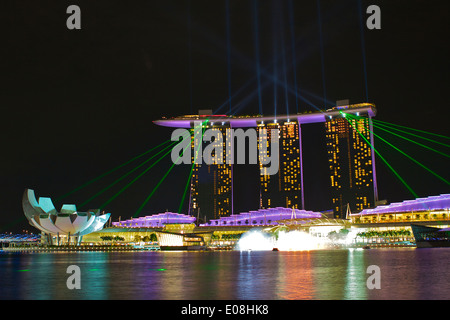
[77, 103]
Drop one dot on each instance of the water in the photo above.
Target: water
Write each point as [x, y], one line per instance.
[406, 273]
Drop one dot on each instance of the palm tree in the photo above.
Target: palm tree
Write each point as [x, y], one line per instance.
[215, 237]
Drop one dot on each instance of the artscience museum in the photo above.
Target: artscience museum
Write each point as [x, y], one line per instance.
[67, 226]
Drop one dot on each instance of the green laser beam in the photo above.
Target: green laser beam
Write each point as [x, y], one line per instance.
[164, 177]
[134, 180]
[124, 176]
[397, 125]
[190, 175]
[405, 138]
[394, 126]
[110, 171]
[158, 184]
[186, 188]
[415, 142]
[153, 191]
[406, 155]
[384, 160]
[411, 158]
[383, 126]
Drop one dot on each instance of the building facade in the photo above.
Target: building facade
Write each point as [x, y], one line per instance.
[283, 189]
[211, 185]
[429, 209]
[350, 159]
[350, 156]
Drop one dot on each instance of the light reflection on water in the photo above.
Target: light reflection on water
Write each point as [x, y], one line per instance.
[321, 274]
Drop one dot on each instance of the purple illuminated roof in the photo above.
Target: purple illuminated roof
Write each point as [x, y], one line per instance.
[245, 121]
[441, 202]
[155, 221]
[262, 217]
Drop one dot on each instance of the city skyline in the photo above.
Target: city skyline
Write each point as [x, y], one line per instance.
[79, 104]
[351, 161]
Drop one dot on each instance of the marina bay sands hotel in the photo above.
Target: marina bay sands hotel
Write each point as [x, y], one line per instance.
[351, 161]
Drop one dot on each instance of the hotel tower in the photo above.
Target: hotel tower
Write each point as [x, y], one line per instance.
[283, 189]
[351, 160]
[211, 185]
[351, 163]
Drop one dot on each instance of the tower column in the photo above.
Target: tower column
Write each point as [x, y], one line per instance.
[301, 165]
[374, 172]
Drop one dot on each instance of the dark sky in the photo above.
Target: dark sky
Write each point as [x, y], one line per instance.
[77, 103]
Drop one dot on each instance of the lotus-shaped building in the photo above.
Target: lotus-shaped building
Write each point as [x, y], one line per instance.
[67, 223]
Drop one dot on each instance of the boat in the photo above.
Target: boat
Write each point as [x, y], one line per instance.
[430, 237]
[275, 249]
